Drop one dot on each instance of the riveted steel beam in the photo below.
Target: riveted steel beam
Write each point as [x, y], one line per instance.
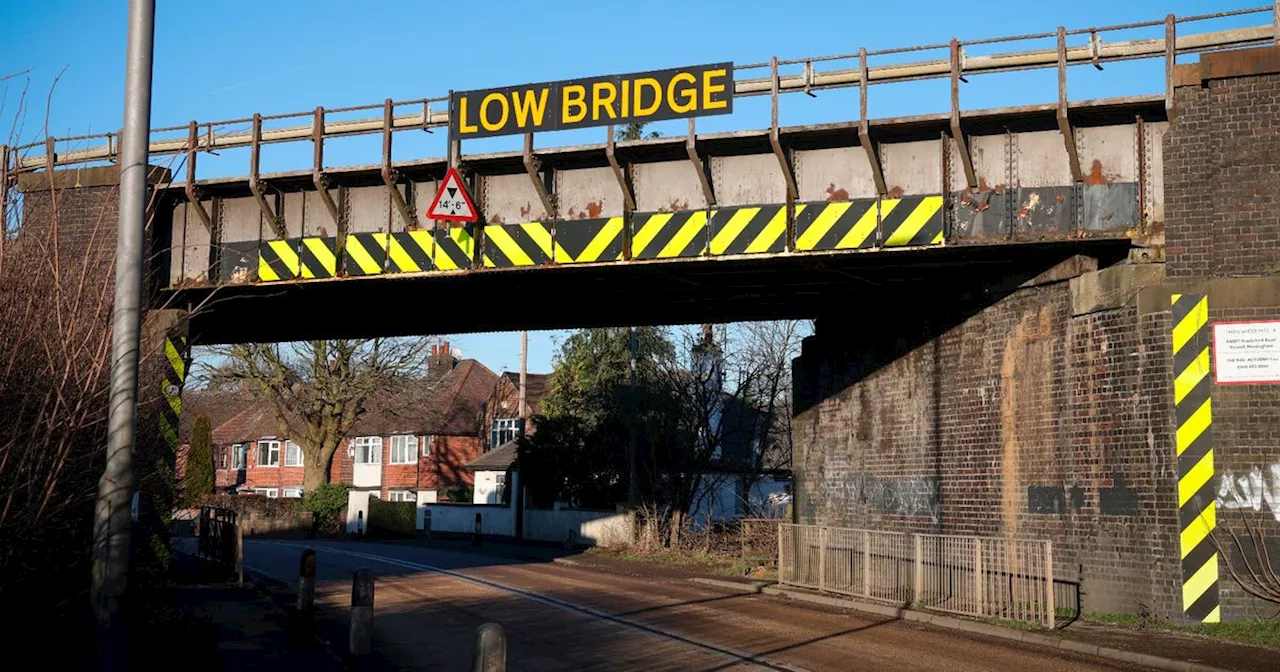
[256, 184]
[864, 129]
[1064, 121]
[193, 193]
[957, 134]
[699, 166]
[389, 175]
[618, 173]
[533, 167]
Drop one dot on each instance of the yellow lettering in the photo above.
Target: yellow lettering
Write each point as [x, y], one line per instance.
[527, 104]
[708, 88]
[574, 96]
[690, 95]
[484, 112]
[463, 126]
[640, 110]
[626, 90]
[599, 99]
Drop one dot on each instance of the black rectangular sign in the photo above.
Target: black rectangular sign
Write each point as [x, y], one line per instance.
[692, 91]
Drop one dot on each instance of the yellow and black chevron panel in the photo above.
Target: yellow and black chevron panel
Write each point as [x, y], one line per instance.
[508, 245]
[401, 252]
[580, 241]
[749, 230]
[842, 225]
[911, 221]
[666, 235]
[296, 258]
[454, 247]
[1193, 413]
[177, 356]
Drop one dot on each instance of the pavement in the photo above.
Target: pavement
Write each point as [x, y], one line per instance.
[559, 616]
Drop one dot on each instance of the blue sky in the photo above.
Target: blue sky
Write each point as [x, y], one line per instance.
[231, 58]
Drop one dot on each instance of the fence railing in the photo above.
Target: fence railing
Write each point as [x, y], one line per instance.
[987, 577]
[219, 538]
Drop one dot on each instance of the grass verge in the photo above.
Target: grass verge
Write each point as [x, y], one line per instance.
[1265, 632]
[703, 562]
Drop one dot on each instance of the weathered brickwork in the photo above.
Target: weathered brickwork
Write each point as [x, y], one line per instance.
[1022, 420]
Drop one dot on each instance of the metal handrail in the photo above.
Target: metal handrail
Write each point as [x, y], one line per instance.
[1096, 52]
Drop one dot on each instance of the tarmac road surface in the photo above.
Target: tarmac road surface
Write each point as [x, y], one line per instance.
[429, 602]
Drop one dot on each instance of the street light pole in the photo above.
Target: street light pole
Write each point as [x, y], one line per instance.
[113, 518]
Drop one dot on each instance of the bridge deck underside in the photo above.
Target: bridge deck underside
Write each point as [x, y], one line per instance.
[657, 293]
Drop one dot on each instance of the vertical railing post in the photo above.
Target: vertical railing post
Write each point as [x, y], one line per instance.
[979, 601]
[866, 563]
[359, 641]
[918, 597]
[307, 590]
[490, 654]
[239, 551]
[781, 573]
[1048, 581]
[822, 558]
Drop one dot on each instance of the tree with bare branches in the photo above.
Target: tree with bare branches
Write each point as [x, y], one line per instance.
[319, 389]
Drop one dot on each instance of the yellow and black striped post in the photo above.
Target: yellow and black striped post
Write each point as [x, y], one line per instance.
[1193, 413]
[177, 355]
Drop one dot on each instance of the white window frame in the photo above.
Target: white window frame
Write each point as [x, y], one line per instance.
[239, 456]
[270, 450]
[426, 444]
[500, 479]
[500, 427]
[222, 457]
[269, 493]
[408, 447]
[291, 447]
[292, 493]
[371, 447]
[402, 496]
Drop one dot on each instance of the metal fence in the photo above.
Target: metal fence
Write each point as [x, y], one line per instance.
[986, 577]
[219, 537]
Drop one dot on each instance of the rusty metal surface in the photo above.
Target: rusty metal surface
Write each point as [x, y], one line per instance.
[748, 180]
[666, 186]
[588, 193]
[1240, 63]
[510, 199]
[834, 174]
[980, 215]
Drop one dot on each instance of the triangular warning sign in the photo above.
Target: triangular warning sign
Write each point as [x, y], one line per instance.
[452, 201]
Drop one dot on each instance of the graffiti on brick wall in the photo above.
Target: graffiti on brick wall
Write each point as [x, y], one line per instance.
[903, 497]
[1252, 490]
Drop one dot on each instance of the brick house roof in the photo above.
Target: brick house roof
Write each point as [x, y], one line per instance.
[498, 459]
[455, 403]
[219, 405]
[539, 384]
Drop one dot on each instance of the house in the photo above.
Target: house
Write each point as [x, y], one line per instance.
[414, 447]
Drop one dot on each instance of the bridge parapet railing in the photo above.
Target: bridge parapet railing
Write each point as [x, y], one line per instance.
[218, 537]
[985, 577]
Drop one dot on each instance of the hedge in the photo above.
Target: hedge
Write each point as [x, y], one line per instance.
[392, 519]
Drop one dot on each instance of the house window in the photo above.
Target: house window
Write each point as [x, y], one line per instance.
[426, 444]
[292, 455]
[500, 480]
[270, 493]
[222, 457]
[239, 453]
[401, 496]
[268, 453]
[293, 493]
[368, 449]
[502, 430]
[404, 449]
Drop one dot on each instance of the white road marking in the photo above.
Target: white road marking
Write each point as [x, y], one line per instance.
[741, 656]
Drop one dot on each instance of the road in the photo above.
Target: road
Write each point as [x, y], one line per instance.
[429, 603]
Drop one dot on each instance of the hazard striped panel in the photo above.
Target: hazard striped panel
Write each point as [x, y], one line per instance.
[911, 221]
[177, 358]
[1193, 413]
[297, 258]
[454, 247]
[846, 225]
[667, 235]
[749, 230]
[510, 245]
[375, 253]
[583, 241]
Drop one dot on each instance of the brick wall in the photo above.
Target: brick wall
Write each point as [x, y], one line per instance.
[1023, 420]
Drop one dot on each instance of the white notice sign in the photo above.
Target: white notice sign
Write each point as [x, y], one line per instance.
[1246, 352]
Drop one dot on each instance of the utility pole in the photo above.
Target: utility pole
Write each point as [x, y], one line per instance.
[633, 470]
[524, 374]
[113, 518]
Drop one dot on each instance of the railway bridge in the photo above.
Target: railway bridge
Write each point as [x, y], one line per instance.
[1014, 305]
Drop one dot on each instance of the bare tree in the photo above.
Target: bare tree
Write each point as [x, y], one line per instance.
[319, 389]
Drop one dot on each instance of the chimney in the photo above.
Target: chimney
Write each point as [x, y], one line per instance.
[440, 362]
